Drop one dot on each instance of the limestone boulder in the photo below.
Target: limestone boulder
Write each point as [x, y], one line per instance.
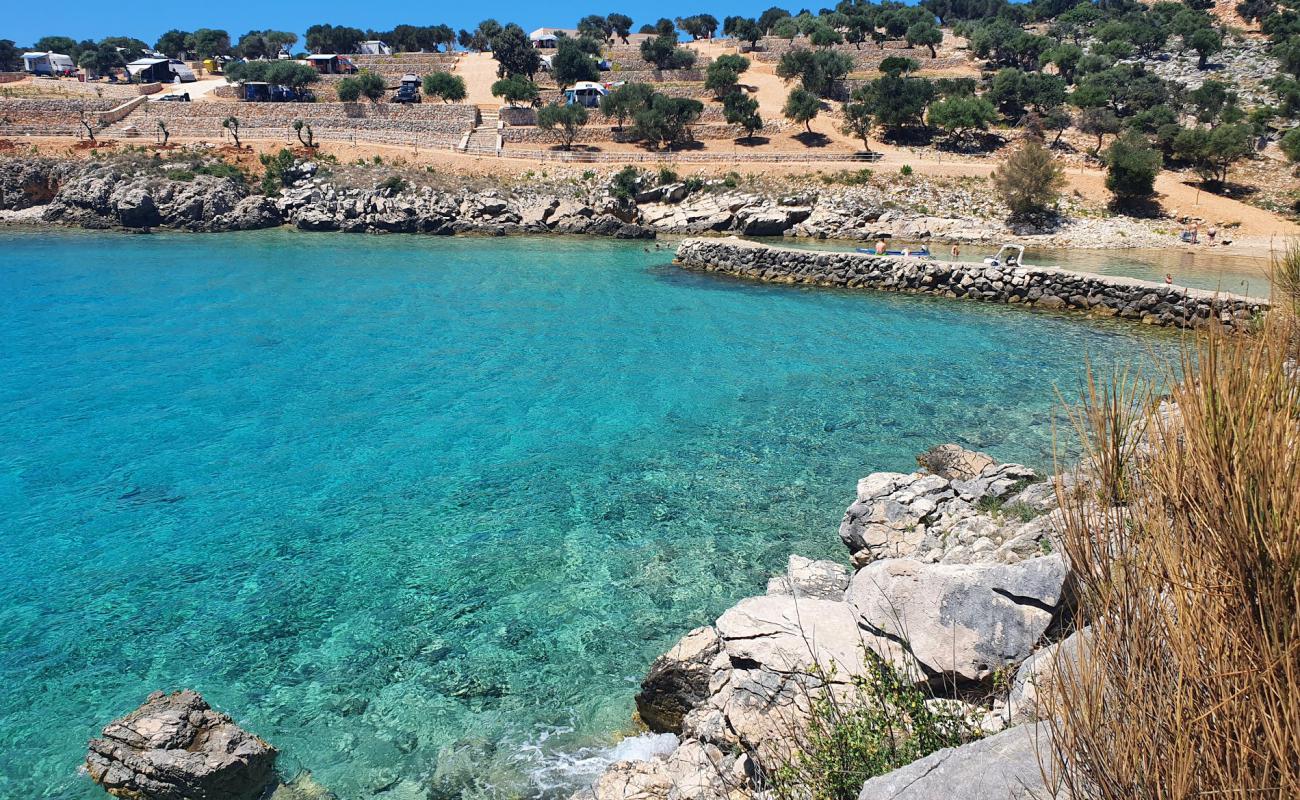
[678, 681]
[1005, 766]
[176, 747]
[135, 208]
[954, 462]
[961, 622]
[1039, 679]
[824, 580]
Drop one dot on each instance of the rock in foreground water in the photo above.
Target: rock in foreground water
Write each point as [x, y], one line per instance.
[175, 747]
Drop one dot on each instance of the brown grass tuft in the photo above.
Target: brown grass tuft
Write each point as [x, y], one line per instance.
[1189, 575]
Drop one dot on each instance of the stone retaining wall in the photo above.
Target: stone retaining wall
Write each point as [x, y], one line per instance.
[393, 67]
[602, 132]
[44, 117]
[1041, 287]
[417, 122]
[642, 73]
[12, 77]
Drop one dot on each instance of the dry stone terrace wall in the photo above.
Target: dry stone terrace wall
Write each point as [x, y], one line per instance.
[50, 116]
[417, 123]
[52, 89]
[868, 57]
[1042, 287]
[604, 133]
[393, 67]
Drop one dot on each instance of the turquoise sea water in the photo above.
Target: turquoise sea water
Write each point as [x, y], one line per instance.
[421, 511]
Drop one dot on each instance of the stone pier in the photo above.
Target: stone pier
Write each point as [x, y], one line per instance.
[1039, 287]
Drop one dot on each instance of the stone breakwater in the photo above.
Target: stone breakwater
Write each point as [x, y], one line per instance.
[1039, 287]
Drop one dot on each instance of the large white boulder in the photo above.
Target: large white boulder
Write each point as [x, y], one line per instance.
[960, 621]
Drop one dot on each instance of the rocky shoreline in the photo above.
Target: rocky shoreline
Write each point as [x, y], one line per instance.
[143, 196]
[957, 581]
[1029, 286]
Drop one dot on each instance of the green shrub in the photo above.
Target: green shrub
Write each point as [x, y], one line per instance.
[885, 723]
[395, 183]
[625, 182]
[179, 175]
[906, 169]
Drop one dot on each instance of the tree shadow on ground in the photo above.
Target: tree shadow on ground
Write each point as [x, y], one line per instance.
[1228, 189]
[756, 141]
[577, 148]
[812, 139]
[1145, 208]
[972, 144]
[909, 137]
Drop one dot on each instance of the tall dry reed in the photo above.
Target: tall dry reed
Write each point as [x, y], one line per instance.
[1189, 576]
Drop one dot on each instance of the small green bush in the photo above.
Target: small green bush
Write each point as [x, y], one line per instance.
[905, 170]
[625, 182]
[396, 183]
[886, 723]
[179, 175]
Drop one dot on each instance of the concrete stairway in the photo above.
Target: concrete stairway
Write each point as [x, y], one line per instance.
[486, 136]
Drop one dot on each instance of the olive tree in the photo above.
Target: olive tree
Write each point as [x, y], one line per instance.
[564, 121]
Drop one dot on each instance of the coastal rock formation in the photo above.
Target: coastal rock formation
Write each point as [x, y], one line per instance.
[316, 205]
[28, 182]
[102, 196]
[175, 747]
[951, 589]
[961, 622]
[678, 681]
[1002, 767]
[1043, 287]
[973, 510]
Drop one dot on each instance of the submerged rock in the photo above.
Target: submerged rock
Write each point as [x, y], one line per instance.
[175, 747]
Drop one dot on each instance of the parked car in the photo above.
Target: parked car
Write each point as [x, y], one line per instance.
[175, 97]
[407, 93]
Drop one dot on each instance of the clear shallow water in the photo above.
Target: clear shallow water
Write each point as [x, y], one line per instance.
[421, 511]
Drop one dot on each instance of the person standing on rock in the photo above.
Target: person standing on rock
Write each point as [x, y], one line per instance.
[956, 252]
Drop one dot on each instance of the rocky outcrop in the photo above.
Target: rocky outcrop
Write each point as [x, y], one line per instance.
[175, 747]
[1042, 287]
[961, 622]
[1002, 767]
[103, 196]
[972, 510]
[1033, 689]
[315, 205]
[28, 182]
[951, 590]
[678, 681]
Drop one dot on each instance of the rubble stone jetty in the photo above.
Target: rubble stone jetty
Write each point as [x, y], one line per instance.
[1038, 287]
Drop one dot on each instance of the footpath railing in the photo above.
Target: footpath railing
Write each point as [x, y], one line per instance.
[459, 143]
[600, 157]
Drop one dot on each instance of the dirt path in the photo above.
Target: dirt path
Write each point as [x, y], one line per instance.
[479, 71]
